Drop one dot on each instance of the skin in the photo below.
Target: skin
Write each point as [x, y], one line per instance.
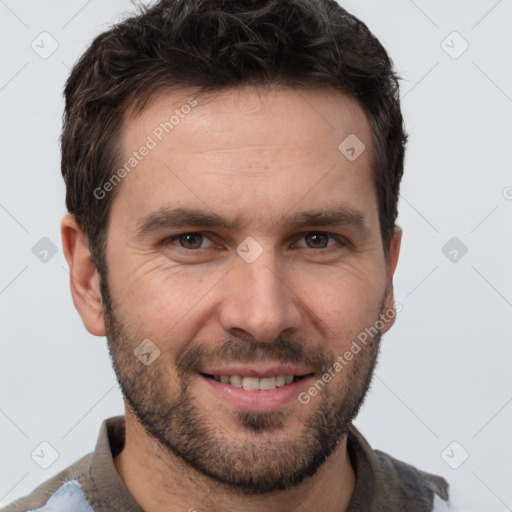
[257, 156]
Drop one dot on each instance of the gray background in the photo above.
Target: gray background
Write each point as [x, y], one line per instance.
[446, 366]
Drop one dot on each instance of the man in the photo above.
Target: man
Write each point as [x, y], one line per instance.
[232, 173]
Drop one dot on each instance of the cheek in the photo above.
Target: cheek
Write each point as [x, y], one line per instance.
[162, 303]
[344, 303]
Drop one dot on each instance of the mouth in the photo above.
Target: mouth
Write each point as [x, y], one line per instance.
[251, 383]
[256, 390]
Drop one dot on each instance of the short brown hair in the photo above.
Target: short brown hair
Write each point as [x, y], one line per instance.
[209, 45]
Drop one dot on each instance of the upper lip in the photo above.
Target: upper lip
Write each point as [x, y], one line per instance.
[247, 370]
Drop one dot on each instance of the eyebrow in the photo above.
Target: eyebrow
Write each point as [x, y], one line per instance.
[180, 217]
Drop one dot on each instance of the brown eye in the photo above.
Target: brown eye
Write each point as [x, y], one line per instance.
[190, 240]
[317, 240]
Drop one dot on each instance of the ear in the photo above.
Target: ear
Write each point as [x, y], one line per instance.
[388, 314]
[84, 278]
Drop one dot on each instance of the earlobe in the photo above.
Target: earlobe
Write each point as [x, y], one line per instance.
[389, 313]
[84, 278]
[394, 252]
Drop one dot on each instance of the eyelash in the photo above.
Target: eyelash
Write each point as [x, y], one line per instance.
[342, 241]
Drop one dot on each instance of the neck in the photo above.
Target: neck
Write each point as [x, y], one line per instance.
[161, 481]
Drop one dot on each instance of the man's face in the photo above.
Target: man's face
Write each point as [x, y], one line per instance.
[247, 248]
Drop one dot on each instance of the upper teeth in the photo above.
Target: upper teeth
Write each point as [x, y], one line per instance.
[254, 383]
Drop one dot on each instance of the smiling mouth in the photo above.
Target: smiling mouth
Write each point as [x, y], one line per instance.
[255, 383]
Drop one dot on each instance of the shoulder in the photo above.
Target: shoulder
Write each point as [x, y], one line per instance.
[415, 482]
[412, 475]
[387, 484]
[63, 492]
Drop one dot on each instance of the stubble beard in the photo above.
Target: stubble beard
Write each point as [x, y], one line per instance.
[254, 455]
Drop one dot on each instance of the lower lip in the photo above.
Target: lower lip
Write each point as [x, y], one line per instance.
[258, 401]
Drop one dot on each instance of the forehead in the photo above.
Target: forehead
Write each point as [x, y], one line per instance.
[259, 151]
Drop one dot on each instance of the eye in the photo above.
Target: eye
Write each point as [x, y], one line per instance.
[318, 240]
[191, 241]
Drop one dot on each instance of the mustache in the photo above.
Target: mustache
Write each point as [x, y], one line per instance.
[237, 350]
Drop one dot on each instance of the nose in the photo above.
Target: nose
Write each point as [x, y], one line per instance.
[259, 300]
